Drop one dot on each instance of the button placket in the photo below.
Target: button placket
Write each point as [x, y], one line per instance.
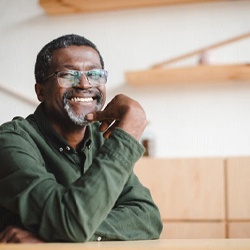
[65, 149]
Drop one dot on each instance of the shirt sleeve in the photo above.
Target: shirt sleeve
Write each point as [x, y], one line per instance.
[134, 216]
[97, 202]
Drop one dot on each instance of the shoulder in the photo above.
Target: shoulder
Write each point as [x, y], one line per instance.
[13, 125]
[18, 125]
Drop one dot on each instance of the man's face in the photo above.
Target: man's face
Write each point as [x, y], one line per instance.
[64, 104]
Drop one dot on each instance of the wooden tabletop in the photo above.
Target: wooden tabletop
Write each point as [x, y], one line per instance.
[190, 244]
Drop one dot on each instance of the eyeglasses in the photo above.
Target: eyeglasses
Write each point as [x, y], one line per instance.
[71, 78]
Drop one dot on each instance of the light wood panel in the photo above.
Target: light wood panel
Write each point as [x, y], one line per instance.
[239, 229]
[238, 182]
[55, 7]
[193, 230]
[194, 74]
[200, 197]
[185, 189]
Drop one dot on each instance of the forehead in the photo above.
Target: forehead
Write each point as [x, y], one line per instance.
[73, 55]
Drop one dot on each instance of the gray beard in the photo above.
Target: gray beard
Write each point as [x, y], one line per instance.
[80, 119]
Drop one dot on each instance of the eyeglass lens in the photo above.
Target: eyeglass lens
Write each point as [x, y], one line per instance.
[73, 78]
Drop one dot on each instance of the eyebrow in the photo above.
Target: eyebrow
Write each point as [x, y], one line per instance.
[92, 66]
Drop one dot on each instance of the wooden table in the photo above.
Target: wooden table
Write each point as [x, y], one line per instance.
[190, 244]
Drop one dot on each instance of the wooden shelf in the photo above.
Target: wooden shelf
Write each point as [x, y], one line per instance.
[195, 74]
[162, 73]
[56, 7]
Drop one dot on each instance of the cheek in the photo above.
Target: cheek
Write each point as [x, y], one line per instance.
[103, 91]
[54, 95]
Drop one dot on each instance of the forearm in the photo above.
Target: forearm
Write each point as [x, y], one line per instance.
[134, 217]
[73, 214]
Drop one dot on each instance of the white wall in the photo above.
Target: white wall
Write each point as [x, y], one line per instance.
[189, 120]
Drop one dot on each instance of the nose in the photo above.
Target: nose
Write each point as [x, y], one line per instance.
[84, 82]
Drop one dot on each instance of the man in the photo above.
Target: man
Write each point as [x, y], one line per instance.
[66, 171]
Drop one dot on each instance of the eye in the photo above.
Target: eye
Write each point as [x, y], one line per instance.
[66, 75]
[95, 74]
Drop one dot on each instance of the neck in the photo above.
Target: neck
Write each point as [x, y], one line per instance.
[72, 134]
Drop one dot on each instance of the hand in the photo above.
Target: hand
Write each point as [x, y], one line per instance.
[17, 235]
[122, 112]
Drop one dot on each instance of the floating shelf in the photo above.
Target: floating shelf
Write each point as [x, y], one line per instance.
[195, 74]
[57, 7]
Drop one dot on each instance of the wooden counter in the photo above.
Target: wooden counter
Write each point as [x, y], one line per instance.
[194, 244]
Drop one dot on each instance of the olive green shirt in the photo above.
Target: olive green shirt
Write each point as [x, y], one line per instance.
[65, 195]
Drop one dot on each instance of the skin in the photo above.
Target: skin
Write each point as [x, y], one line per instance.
[17, 235]
[122, 112]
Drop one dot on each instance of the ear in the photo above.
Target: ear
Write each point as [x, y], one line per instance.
[39, 88]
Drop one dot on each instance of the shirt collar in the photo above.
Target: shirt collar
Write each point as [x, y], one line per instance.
[53, 137]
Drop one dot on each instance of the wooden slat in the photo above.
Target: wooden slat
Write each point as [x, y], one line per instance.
[195, 74]
[54, 7]
[202, 50]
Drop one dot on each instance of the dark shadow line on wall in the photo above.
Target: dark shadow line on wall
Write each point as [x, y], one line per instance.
[18, 96]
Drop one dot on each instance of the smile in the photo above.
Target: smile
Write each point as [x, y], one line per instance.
[80, 99]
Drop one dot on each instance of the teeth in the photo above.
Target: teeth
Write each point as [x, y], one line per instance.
[78, 99]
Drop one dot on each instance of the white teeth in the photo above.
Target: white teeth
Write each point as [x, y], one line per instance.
[78, 99]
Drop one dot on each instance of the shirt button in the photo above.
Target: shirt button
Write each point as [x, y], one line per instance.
[60, 149]
[67, 148]
[99, 238]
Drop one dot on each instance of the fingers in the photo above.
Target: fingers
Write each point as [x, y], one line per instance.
[17, 235]
[8, 235]
[107, 125]
[110, 129]
[3, 238]
[122, 112]
[104, 115]
[108, 115]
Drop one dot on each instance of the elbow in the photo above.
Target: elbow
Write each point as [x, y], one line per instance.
[157, 227]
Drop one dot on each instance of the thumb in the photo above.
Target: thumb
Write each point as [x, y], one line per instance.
[94, 116]
[90, 117]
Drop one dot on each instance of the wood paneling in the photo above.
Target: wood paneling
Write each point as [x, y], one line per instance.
[185, 189]
[238, 182]
[239, 229]
[200, 197]
[193, 230]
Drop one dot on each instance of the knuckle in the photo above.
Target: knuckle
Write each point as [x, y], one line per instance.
[11, 229]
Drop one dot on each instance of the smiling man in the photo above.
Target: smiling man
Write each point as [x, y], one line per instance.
[66, 171]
